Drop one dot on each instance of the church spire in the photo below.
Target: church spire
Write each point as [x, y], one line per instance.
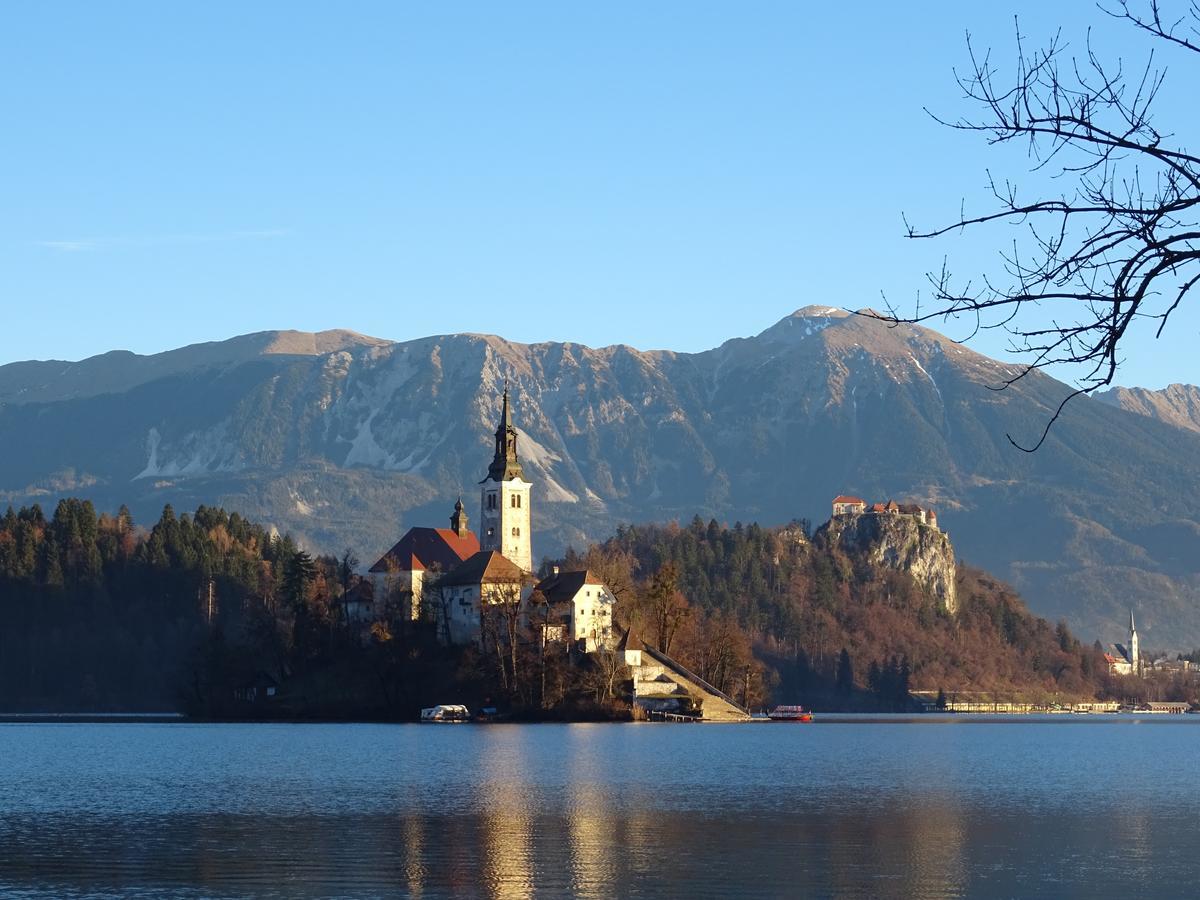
[505, 464]
[458, 521]
[1135, 661]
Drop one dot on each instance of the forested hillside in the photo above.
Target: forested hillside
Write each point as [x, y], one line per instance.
[827, 626]
[99, 614]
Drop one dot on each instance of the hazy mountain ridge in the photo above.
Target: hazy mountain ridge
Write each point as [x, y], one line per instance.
[352, 444]
[1176, 404]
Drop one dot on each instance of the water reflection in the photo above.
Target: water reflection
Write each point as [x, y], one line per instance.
[508, 815]
[596, 811]
[591, 830]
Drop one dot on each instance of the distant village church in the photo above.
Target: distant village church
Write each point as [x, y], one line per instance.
[1125, 659]
[453, 579]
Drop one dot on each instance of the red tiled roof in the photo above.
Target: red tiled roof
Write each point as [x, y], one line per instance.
[842, 498]
[425, 548]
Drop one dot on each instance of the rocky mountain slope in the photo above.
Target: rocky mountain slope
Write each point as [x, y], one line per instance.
[347, 440]
[1176, 404]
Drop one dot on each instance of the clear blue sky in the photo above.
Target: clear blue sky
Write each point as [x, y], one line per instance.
[659, 174]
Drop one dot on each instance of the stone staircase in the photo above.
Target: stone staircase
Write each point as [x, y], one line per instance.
[666, 682]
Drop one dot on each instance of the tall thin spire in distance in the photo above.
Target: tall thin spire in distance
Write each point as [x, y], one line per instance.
[505, 463]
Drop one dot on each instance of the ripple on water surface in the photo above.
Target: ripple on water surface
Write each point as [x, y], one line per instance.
[854, 809]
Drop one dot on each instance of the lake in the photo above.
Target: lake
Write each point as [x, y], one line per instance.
[1076, 806]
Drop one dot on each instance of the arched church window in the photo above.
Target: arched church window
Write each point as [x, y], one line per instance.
[516, 532]
[491, 501]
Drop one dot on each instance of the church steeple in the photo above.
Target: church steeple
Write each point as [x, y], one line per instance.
[505, 464]
[458, 521]
[1134, 656]
[504, 520]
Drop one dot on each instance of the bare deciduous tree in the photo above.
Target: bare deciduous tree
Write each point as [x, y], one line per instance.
[668, 607]
[501, 614]
[1120, 244]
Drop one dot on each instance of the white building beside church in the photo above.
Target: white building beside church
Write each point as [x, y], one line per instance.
[583, 604]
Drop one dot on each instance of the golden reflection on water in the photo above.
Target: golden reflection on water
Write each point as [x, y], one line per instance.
[591, 825]
[413, 843]
[923, 843]
[937, 852]
[507, 825]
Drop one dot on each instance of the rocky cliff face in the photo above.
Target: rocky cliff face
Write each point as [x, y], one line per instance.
[901, 543]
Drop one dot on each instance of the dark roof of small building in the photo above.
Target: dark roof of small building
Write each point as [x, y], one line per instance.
[554, 614]
[262, 679]
[362, 592]
[426, 548]
[629, 641]
[485, 567]
[565, 585]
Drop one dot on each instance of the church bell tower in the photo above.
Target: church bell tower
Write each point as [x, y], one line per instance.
[504, 497]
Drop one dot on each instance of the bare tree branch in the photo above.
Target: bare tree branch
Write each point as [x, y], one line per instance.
[1120, 246]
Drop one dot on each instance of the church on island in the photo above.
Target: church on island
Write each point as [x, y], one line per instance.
[458, 580]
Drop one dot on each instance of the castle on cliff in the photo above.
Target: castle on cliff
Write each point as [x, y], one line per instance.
[844, 505]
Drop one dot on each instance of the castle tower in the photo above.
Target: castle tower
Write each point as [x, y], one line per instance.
[458, 521]
[504, 498]
[1134, 662]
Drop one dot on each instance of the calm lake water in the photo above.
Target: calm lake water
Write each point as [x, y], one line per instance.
[1085, 806]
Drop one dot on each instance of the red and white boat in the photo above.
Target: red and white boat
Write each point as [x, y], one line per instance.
[789, 714]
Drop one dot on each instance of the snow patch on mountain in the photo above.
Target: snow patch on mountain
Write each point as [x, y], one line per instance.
[364, 449]
[197, 453]
[917, 363]
[541, 458]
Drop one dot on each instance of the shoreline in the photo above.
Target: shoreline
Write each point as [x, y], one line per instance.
[829, 718]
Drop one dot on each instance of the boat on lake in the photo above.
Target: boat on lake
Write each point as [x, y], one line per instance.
[446, 712]
[790, 714]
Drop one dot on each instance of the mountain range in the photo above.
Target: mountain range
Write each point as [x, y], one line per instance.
[1176, 404]
[346, 440]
